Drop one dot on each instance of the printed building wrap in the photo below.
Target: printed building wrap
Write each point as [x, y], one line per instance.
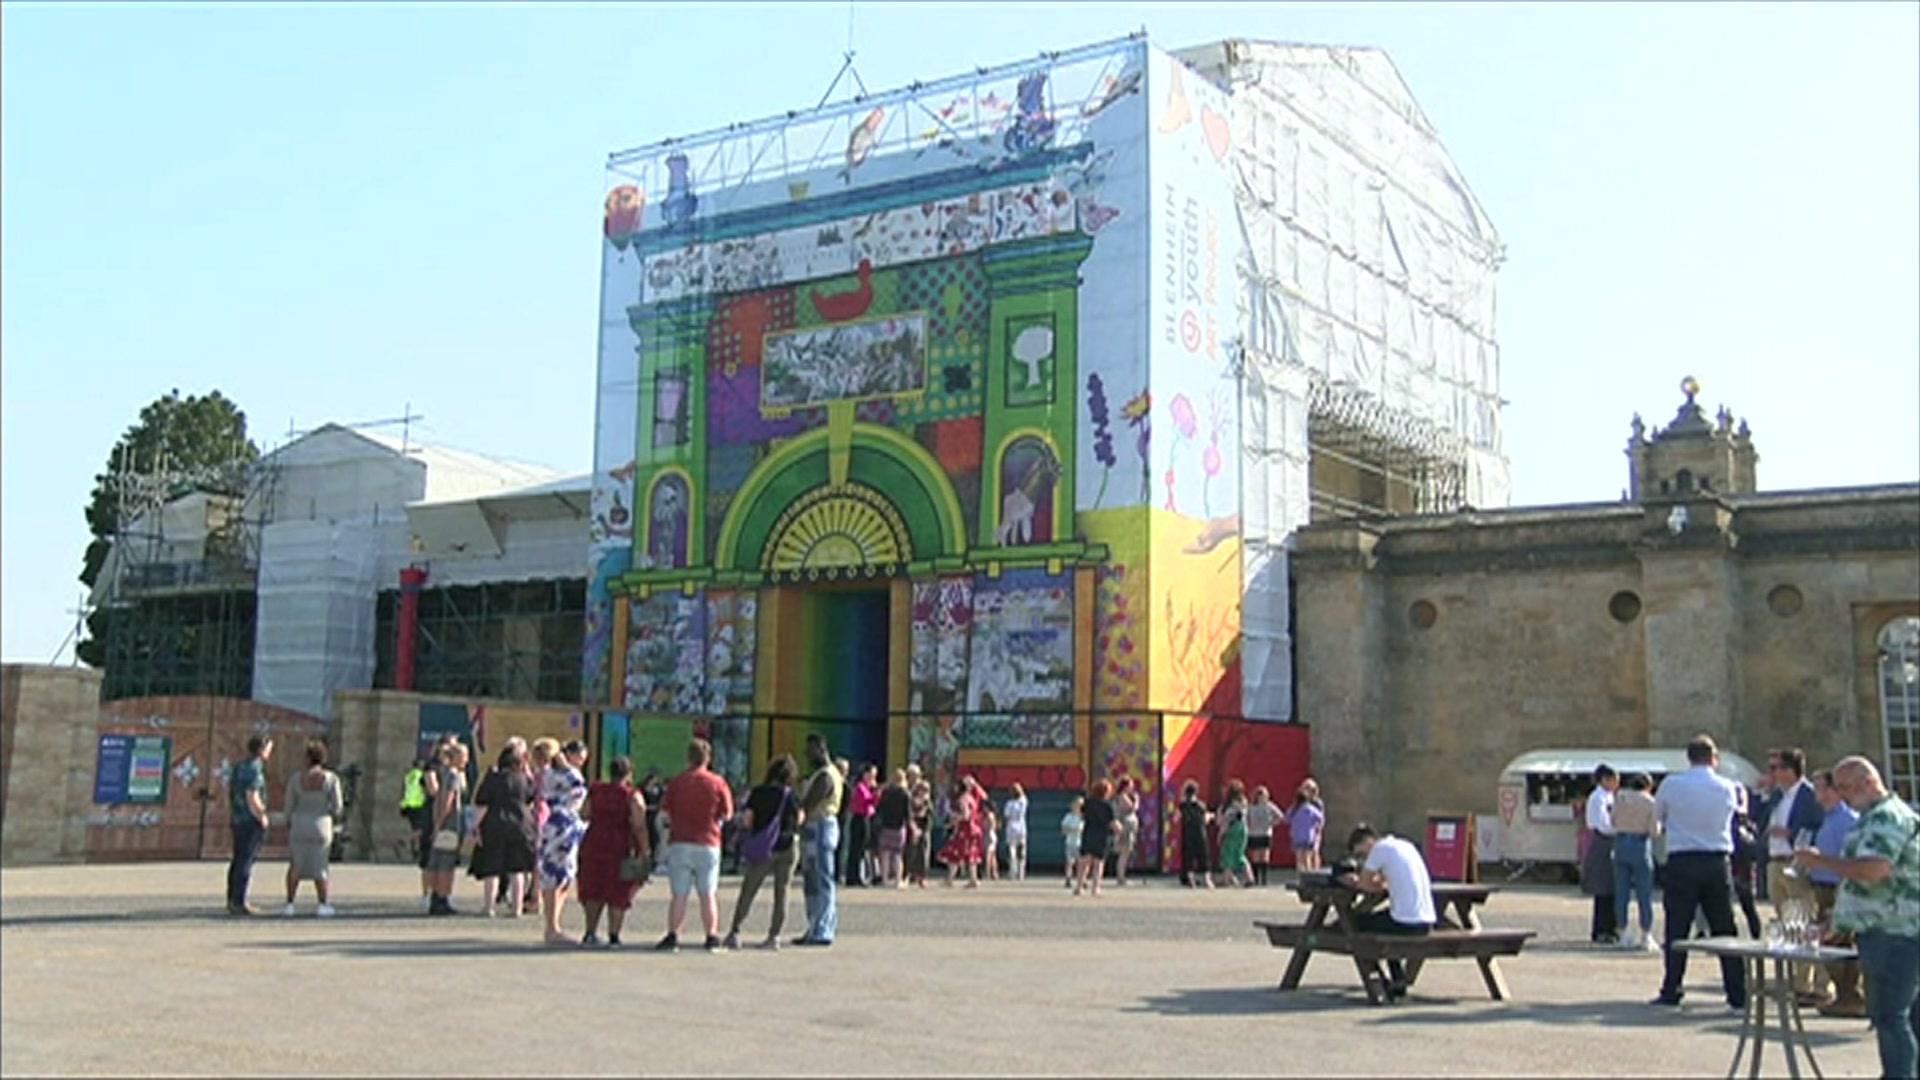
[922, 424]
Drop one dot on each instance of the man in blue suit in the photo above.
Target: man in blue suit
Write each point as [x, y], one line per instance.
[1792, 813]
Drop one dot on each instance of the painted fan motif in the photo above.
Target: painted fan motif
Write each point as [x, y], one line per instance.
[850, 526]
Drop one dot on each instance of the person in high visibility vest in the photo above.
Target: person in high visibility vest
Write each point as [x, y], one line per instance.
[414, 795]
[413, 801]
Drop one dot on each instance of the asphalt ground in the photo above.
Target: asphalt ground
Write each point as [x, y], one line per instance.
[135, 970]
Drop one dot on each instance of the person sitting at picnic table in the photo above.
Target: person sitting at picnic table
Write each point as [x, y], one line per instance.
[1394, 867]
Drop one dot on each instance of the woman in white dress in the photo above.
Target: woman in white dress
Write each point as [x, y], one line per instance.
[1016, 828]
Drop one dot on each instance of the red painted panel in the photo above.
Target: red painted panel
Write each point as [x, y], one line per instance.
[1215, 751]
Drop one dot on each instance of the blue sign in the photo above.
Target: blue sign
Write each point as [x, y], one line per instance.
[111, 766]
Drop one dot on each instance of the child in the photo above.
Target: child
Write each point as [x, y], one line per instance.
[1262, 816]
[1304, 824]
[1071, 827]
[1194, 817]
[1016, 814]
[1233, 835]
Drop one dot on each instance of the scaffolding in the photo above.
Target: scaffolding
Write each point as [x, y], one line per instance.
[517, 640]
[179, 608]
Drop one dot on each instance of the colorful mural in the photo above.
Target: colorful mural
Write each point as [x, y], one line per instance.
[884, 420]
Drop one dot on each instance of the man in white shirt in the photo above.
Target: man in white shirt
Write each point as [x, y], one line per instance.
[1596, 870]
[1793, 812]
[1392, 866]
[1696, 809]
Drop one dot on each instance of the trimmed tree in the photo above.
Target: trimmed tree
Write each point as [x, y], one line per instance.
[180, 443]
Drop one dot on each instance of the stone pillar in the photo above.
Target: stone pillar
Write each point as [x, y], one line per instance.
[48, 717]
[1344, 696]
[1690, 613]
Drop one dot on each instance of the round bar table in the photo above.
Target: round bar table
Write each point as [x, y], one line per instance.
[1779, 990]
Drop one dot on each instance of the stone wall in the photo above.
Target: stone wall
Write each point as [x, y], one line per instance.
[1433, 650]
[378, 730]
[47, 721]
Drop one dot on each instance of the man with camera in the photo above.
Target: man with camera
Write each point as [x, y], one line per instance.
[1391, 866]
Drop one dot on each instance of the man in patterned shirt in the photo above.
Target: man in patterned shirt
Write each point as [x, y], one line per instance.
[1879, 902]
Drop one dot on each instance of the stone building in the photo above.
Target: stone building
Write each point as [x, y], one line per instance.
[1435, 648]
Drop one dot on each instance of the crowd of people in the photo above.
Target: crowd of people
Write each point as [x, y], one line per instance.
[540, 833]
[1836, 841]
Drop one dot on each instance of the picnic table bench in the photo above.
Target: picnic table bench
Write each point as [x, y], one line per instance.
[1458, 936]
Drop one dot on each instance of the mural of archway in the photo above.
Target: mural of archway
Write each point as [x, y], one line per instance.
[893, 494]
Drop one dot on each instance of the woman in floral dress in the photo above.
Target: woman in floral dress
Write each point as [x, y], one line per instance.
[967, 843]
[563, 789]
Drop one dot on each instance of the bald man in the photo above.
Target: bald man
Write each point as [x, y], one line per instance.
[1879, 903]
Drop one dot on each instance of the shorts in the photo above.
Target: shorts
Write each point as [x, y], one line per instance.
[693, 868]
[441, 862]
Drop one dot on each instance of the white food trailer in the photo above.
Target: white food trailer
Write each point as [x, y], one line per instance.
[1541, 792]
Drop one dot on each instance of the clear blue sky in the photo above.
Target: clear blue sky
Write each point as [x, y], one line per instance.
[327, 212]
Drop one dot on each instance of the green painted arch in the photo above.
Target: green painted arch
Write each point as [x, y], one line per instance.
[881, 458]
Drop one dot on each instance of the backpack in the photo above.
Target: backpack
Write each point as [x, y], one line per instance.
[758, 846]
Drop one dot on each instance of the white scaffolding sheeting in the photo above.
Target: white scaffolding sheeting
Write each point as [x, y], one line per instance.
[316, 608]
[1370, 263]
[1366, 309]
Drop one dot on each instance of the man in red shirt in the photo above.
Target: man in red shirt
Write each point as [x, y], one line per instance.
[697, 804]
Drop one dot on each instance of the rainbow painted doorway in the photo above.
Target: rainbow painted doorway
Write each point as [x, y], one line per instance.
[834, 668]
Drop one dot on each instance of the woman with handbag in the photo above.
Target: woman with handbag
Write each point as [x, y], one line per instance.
[563, 789]
[614, 856]
[767, 849]
[449, 827]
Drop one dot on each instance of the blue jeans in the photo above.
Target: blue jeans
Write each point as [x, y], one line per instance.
[822, 840]
[1633, 879]
[248, 835]
[1892, 967]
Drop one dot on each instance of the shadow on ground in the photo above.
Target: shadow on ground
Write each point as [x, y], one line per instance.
[436, 947]
[200, 914]
[1421, 1009]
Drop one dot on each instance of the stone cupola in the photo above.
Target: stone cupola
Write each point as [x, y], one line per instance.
[1691, 455]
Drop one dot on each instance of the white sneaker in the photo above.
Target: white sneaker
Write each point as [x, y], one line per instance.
[288, 912]
[1652, 944]
[426, 903]
[1627, 943]
[324, 911]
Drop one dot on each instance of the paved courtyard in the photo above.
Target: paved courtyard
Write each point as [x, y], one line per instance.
[130, 969]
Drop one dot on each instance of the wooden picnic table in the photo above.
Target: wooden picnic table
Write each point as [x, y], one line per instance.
[1458, 935]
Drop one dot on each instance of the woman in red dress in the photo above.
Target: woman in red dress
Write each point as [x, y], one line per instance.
[967, 844]
[616, 830]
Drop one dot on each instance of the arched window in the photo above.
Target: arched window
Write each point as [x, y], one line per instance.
[667, 523]
[1900, 704]
[1028, 473]
[1683, 480]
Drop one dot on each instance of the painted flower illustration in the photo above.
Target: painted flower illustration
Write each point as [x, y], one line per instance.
[1138, 413]
[1185, 421]
[1102, 434]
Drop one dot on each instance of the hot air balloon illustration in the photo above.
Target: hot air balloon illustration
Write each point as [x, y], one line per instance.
[625, 205]
[860, 143]
[680, 202]
[1033, 129]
